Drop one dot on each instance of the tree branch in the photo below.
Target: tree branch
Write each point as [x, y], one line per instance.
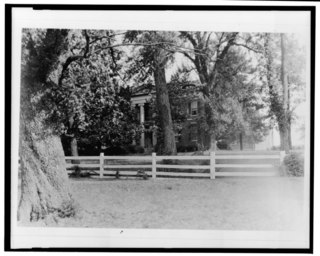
[208, 39]
[73, 58]
[248, 47]
[188, 56]
[189, 37]
[106, 37]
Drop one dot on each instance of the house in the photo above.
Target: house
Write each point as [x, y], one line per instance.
[187, 132]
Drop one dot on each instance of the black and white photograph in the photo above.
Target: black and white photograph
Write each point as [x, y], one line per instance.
[157, 129]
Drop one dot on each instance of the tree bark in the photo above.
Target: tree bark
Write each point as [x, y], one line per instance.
[45, 193]
[163, 104]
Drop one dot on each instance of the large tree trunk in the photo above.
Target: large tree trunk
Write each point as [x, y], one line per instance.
[163, 104]
[284, 138]
[74, 149]
[290, 138]
[73, 141]
[285, 129]
[213, 142]
[45, 193]
[45, 190]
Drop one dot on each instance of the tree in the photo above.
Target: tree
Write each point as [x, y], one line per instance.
[216, 59]
[45, 193]
[285, 126]
[93, 104]
[208, 67]
[284, 68]
[153, 57]
[111, 118]
[66, 84]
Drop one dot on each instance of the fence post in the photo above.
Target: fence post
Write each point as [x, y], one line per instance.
[282, 155]
[212, 165]
[154, 165]
[101, 164]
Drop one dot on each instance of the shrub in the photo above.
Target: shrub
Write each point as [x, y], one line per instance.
[294, 165]
[68, 209]
[223, 145]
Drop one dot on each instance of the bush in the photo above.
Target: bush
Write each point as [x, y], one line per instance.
[294, 165]
[223, 145]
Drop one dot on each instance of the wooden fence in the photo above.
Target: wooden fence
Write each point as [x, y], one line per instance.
[169, 166]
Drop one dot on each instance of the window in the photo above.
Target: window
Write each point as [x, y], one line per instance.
[194, 108]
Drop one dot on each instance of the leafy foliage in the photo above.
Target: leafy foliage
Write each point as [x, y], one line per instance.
[88, 99]
[229, 89]
[294, 164]
[41, 50]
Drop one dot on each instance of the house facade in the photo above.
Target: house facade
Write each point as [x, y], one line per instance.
[187, 132]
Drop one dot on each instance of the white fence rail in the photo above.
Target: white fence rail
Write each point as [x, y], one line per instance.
[169, 165]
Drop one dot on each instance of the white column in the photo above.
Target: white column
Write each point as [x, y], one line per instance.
[142, 144]
[141, 113]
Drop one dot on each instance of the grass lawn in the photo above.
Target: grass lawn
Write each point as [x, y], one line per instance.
[266, 203]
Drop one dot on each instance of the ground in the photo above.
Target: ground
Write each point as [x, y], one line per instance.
[265, 203]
